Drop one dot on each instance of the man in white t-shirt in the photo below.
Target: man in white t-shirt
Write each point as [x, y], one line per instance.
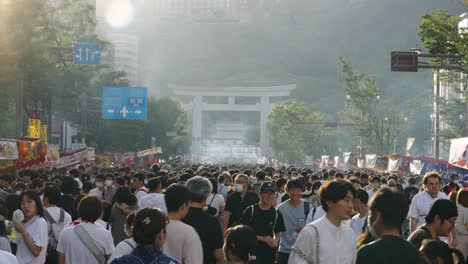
[422, 201]
[360, 204]
[56, 214]
[182, 242]
[138, 183]
[70, 247]
[374, 186]
[100, 187]
[154, 198]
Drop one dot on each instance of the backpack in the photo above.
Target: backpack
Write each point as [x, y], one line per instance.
[56, 227]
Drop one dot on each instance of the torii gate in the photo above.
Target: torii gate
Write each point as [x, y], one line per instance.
[197, 106]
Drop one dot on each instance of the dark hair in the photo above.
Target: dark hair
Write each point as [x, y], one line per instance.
[87, 186]
[433, 249]
[74, 173]
[11, 202]
[33, 196]
[214, 183]
[69, 185]
[175, 196]
[100, 177]
[260, 175]
[123, 195]
[280, 183]
[90, 208]
[53, 195]
[392, 206]
[154, 183]
[294, 184]
[445, 209]
[241, 241]
[334, 191]
[339, 175]
[140, 176]
[120, 181]
[148, 223]
[110, 175]
[362, 195]
[462, 197]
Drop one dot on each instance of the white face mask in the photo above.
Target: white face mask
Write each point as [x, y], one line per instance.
[108, 183]
[238, 187]
[18, 192]
[99, 184]
[375, 185]
[146, 182]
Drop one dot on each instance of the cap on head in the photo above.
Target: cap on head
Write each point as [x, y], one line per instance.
[267, 186]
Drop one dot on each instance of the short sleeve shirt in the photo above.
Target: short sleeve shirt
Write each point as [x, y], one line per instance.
[209, 231]
[37, 229]
[421, 204]
[417, 237]
[236, 205]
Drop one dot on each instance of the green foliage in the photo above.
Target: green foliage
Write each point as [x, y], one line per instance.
[295, 131]
[377, 123]
[440, 34]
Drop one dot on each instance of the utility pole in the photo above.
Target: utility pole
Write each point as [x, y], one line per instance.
[436, 115]
[83, 112]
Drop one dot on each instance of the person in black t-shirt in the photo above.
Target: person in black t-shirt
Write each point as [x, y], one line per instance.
[206, 225]
[411, 190]
[388, 210]
[439, 222]
[238, 201]
[267, 222]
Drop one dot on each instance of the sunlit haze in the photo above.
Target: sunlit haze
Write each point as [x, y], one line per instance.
[119, 13]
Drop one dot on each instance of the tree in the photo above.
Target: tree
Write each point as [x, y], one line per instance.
[295, 131]
[377, 123]
[440, 34]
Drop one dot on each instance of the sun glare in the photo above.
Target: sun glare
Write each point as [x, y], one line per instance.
[119, 13]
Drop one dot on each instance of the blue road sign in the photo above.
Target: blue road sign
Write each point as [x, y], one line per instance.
[124, 102]
[84, 53]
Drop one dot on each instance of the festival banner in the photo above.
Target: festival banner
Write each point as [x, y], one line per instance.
[8, 150]
[44, 136]
[76, 157]
[416, 167]
[371, 159]
[150, 151]
[361, 162]
[34, 128]
[324, 161]
[393, 164]
[459, 152]
[409, 144]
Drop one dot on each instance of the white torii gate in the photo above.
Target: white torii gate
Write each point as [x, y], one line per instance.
[197, 106]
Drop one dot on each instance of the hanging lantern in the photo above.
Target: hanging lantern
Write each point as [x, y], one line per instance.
[23, 148]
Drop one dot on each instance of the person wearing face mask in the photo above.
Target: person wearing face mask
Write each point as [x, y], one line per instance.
[375, 186]
[154, 198]
[388, 210]
[108, 195]
[238, 201]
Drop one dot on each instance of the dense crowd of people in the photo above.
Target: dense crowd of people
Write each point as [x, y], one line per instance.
[239, 214]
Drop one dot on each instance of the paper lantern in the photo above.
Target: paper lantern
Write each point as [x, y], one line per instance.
[23, 148]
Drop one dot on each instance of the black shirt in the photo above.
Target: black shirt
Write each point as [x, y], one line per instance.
[265, 223]
[410, 192]
[389, 250]
[208, 229]
[417, 237]
[236, 205]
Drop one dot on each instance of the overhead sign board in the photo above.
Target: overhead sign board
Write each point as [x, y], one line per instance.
[87, 53]
[124, 102]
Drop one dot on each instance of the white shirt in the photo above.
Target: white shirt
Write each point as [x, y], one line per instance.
[55, 213]
[336, 244]
[218, 202]
[371, 193]
[357, 223]
[123, 248]
[76, 252]
[140, 193]
[96, 192]
[319, 213]
[421, 204]
[153, 200]
[37, 229]
[183, 243]
[7, 258]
